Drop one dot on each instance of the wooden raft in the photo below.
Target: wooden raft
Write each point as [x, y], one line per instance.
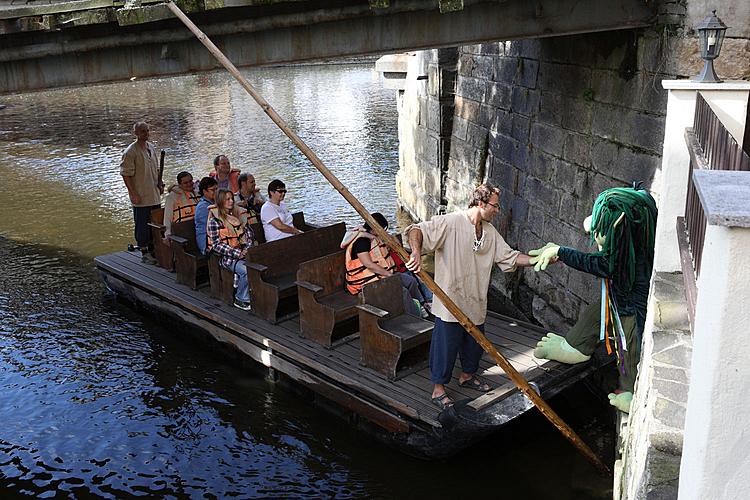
[336, 372]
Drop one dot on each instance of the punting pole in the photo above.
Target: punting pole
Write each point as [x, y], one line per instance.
[516, 377]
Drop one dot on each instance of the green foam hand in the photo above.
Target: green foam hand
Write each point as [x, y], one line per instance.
[542, 257]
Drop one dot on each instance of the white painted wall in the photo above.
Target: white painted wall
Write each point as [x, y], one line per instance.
[730, 98]
[716, 456]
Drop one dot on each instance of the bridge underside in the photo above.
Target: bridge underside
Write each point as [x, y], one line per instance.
[116, 45]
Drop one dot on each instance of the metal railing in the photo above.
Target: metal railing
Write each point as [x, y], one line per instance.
[711, 147]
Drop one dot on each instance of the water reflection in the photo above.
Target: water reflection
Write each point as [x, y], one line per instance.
[62, 148]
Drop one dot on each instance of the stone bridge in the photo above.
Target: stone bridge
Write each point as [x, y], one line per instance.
[53, 43]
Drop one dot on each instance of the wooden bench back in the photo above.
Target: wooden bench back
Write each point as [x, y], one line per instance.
[282, 257]
[328, 272]
[186, 230]
[157, 216]
[298, 220]
[385, 294]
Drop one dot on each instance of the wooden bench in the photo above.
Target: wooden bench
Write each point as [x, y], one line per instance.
[327, 312]
[272, 269]
[298, 221]
[393, 343]
[191, 267]
[162, 251]
[222, 279]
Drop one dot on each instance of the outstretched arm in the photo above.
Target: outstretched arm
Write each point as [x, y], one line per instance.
[415, 242]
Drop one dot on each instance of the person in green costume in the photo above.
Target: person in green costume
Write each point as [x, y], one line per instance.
[622, 224]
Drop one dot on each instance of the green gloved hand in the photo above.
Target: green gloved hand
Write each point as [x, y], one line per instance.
[542, 257]
[539, 251]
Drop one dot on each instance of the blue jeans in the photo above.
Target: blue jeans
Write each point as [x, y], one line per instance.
[448, 341]
[243, 288]
[141, 218]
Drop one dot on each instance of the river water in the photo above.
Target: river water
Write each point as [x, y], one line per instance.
[97, 400]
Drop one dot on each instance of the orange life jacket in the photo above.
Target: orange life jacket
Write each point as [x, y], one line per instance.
[233, 231]
[357, 275]
[184, 206]
[234, 179]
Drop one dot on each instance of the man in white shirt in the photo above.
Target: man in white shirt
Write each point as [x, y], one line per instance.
[275, 216]
[466, 246]
[140, 172]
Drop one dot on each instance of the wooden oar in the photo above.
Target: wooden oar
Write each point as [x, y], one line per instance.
[516, 377]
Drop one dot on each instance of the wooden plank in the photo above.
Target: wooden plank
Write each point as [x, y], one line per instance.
[18, 11]
[265, 334]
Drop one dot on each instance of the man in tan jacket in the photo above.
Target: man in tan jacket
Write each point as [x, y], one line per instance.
[140, 172]
[466, 246]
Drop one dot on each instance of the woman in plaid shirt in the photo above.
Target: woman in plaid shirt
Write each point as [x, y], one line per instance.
[229, 235]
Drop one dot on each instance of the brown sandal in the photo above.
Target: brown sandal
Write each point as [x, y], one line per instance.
[443, 401]
[475, 383]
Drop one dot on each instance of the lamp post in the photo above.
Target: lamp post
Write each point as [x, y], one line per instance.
[711, 32]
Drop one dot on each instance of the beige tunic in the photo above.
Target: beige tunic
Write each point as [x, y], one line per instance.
[143, 167]
[462, 273]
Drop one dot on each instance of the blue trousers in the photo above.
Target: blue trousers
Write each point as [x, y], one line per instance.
[243, 288]
[449, 340]
[141, 217]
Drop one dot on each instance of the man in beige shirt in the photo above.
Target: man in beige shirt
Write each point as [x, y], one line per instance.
[466, 245]
[140, 172]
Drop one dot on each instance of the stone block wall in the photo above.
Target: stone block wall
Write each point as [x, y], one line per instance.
[425, 125]
[553, 122]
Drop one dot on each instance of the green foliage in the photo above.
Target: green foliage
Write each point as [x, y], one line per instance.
[588, 94]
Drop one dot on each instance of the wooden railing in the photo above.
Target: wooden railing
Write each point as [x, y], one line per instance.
[711, 147]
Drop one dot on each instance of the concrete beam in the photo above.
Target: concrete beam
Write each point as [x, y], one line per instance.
[315, 35]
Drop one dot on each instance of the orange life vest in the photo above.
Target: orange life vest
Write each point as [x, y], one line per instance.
[234, 179]
[357, 275]
[233, 231]
[184, 206]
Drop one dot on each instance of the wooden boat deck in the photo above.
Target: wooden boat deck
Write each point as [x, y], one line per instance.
[337, 373]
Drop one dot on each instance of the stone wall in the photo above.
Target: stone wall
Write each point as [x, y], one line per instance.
[425, 125]
[553, 122]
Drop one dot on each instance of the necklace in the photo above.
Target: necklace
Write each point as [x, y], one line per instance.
[478, 242]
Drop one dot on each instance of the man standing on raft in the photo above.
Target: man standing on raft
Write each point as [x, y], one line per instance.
[466, 245]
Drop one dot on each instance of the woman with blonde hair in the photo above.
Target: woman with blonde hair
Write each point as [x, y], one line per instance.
[229, 235]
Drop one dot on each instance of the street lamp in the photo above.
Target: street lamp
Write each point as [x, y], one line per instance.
[711, 32]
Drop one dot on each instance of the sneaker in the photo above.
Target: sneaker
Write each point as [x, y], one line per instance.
[147, 258]
[421, 312]
[245, 306]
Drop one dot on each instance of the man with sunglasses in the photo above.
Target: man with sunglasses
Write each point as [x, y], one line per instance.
[275, 216]
[466, 246]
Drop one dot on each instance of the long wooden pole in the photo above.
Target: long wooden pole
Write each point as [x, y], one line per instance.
[470, 327]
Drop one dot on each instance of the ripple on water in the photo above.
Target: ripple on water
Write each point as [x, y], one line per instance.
[73, 138]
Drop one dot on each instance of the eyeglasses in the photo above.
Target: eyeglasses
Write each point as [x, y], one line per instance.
[282, 191]
[496, 205]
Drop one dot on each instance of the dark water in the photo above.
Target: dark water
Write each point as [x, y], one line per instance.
[98, 400]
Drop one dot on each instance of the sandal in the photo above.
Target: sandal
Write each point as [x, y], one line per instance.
[476, 384]
[443, 401]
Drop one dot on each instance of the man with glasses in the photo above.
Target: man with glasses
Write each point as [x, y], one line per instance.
[466, 246]
[275, 216]
[207, 188]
